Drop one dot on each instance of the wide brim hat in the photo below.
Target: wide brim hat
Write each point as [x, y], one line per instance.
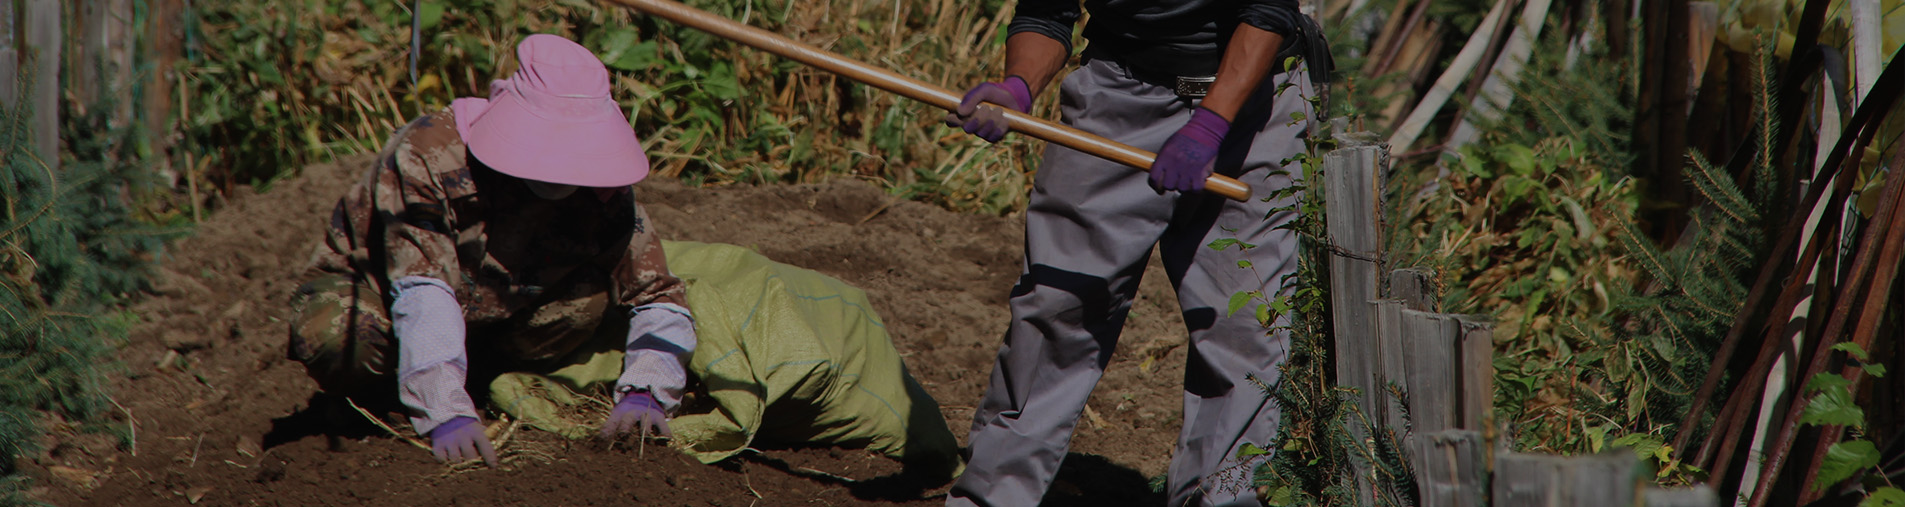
[553, 120]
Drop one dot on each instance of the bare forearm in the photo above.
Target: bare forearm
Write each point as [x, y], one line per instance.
[1034, 58]
[1247, 60]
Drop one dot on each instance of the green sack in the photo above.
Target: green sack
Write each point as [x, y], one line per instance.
[784, 354]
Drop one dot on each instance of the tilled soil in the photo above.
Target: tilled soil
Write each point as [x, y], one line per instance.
[219, 414]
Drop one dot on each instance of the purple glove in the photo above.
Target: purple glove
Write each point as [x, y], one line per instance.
[989, 123]
[1186, 159]
[637, 410]
[461, 439]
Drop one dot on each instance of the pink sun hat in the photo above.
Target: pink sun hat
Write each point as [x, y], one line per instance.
[553, 121]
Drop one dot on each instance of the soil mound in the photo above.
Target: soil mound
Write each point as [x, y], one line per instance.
[219, 413]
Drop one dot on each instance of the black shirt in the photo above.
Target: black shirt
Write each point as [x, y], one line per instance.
[1182, 37]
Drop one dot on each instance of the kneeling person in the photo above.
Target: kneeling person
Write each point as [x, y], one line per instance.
[500, 233]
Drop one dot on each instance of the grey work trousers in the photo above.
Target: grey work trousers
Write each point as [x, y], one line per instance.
[1089, 232]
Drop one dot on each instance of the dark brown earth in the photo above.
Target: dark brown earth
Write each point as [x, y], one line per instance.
[219, 415]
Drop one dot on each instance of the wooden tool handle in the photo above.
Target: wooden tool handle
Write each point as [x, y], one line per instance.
[911, 88]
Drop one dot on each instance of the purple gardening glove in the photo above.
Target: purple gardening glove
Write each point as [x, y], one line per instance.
[1188, 156]
[461, 439]
[989, 123]
[637, 410]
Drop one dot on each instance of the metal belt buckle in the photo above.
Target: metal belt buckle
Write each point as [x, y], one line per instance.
[1195, 86]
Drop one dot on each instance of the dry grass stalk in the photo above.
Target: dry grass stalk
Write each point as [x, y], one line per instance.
[386, 427]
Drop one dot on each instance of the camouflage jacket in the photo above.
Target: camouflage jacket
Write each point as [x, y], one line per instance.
[428, 208]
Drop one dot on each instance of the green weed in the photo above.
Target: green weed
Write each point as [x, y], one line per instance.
[275, 86]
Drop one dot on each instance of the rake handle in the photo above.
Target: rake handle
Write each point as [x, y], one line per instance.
[912, 88]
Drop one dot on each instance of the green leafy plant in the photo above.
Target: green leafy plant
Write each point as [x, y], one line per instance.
[1600, 335]
[1831, 404]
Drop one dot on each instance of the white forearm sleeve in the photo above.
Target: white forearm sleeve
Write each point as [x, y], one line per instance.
[661, 339]
[432, 366]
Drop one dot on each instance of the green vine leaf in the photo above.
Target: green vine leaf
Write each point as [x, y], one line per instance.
[1831, 403]
[1884, 497]
[1845, 459]
[1851, 349]
[1646, 446]
[1238, 300]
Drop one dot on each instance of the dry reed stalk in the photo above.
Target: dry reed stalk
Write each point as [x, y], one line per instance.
[386, 427]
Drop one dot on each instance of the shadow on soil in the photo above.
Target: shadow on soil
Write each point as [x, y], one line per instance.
[1092, 480]
[1084, 480]
[325, 416]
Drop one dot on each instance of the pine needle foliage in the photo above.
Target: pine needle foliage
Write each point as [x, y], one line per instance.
[1679, 318]
[69, 250]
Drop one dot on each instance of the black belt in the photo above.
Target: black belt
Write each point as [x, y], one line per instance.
[1185, 86]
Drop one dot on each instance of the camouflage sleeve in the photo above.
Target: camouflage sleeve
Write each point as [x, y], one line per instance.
[641, 276]
[417, 232]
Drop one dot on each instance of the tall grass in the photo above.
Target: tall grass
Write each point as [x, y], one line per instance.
[275, 85]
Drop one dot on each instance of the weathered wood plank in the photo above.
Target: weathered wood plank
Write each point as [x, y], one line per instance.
[1415, 287]
[42, 37]
[9, 56]
[1697, 496]
[120, 40]
[99, 68]
[1429, 355]
[1476, 351]
[1533, 480]
[1390, 366]
[1352, 200]
[1450, 467]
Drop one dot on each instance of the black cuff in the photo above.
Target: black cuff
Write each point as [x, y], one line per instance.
[1050, 29]
[1278, 17]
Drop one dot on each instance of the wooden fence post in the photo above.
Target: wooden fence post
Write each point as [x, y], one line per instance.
[1409, 289]
[1429, 354]
[101, 67]
[43, 42]
[1353, 190]
[1533, 480]
[1390, 364]
[164, 46]
[1450, 468]
[9, 56]
[1476, 352]
[1415, 287]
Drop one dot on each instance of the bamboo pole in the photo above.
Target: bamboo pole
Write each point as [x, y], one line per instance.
[191, 160]
[911, 88]
[1884, 227]
[1458, 70]
[1865, 16]
[1495, 93]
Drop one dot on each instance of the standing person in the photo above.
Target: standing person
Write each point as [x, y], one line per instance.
[1199, 82]
[498, 234]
